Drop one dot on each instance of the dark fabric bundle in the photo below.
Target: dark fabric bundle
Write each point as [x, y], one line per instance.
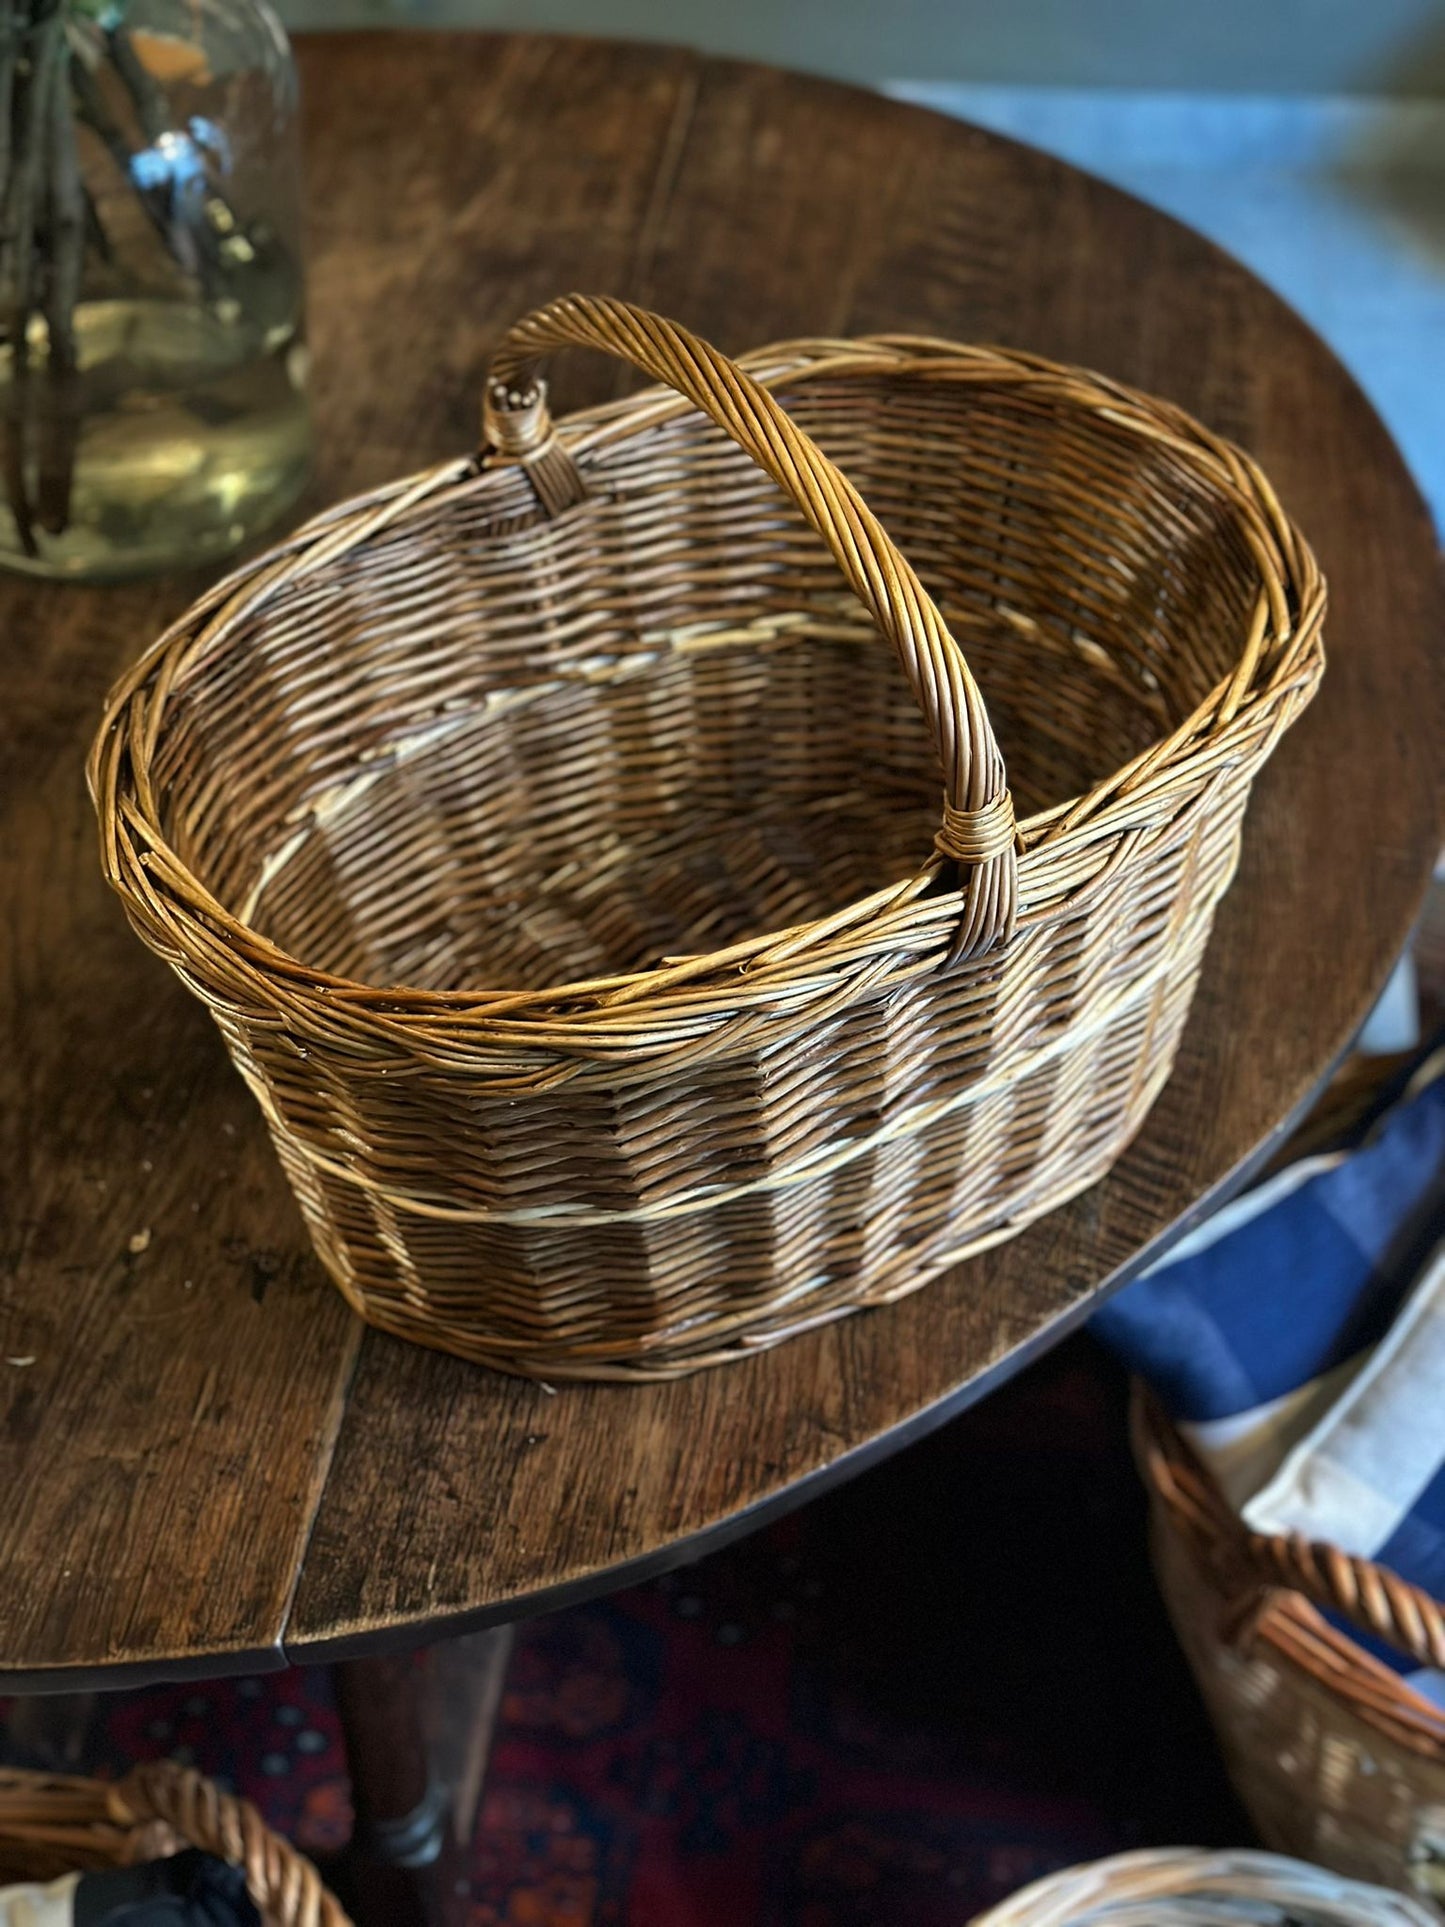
[190, 1889]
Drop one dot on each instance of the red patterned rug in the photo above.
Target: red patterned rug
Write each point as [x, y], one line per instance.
[895, 1706]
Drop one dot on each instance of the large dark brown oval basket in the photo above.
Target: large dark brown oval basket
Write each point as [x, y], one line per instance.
[51, 1826]
[558, 845]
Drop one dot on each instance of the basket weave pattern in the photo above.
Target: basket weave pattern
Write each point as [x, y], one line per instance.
[1182, 1887]
[52, 1825]
[1335, 1755]
[556, 836]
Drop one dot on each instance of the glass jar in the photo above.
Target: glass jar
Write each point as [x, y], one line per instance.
[152, 356]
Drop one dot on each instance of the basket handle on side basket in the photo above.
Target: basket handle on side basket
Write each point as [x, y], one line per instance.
[978, 832]
[1369, 1596]
[284, 1885]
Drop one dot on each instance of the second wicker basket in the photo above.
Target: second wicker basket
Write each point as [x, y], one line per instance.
[1337, 1756]
[52, 1825]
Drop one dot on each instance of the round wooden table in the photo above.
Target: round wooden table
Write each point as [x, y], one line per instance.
[207, 1465]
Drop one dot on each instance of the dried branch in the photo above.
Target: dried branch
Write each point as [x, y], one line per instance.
[38, 57]
[63, 247]
[49, 50]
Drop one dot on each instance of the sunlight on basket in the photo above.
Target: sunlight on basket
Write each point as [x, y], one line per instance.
[1179, 1888]
[601, 862]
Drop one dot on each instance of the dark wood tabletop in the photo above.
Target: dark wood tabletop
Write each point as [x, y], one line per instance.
[207, 1466]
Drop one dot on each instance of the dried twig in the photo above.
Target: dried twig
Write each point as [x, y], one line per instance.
[10, 36]
[14, 25]
[49, 59]
[40, 53]
[151, 106]
[91, 109]
[64, 252]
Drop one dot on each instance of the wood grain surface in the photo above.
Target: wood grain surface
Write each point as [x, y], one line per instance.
[206, 1467]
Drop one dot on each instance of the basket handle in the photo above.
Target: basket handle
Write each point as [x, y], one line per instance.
[978, 832]
[283, 1883]
[1371, 1597]
[1249, 1563]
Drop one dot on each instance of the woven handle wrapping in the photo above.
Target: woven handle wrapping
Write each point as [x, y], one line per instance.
[978, 832]
[283, 1883]
[1369, 1596]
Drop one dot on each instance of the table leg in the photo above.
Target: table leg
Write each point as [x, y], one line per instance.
[400, 1808]
[468, 1677]
[418, 1731]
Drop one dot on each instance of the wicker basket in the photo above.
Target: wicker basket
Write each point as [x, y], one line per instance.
[559, 847]
[51, 1826]
[1178, 1887]
[1334, 1755]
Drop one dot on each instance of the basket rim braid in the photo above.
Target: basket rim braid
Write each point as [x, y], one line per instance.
[1191, 1887]
[553, 840]
[1275, 1585]
[1012, 875]
[70, 1824]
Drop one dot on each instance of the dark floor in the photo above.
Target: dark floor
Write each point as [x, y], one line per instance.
[894, 1707]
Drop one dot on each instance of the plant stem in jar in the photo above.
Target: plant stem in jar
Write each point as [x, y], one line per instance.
[63, 250]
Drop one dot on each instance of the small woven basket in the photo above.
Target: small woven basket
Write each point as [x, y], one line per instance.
[1335, 1756]
[559, 847]
[51, 1826]
[1180, 1887]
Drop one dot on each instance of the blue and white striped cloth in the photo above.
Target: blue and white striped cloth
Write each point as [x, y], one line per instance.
[1371, 1472]
[1298, 1339]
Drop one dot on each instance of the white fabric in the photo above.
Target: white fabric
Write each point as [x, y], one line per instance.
[1394, 1023]
[1354, 1476]
[52, 1906]
[1247, 1449]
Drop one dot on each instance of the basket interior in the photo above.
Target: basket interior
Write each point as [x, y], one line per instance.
[488, 751]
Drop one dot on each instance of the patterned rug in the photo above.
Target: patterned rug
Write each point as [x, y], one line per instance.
[895, 1706]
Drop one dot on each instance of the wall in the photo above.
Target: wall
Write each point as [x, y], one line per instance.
[1245, 46]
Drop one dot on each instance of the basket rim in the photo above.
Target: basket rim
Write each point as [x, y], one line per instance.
[1274, 1586]
[1118, 1886]
[153, 1811]
[895, 933]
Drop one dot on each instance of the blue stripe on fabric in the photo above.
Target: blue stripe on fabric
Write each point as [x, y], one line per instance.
[1375, 1647]
[1423, 1679]
[1298, 1289]
[1416, 1548]
[1386, 1197]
